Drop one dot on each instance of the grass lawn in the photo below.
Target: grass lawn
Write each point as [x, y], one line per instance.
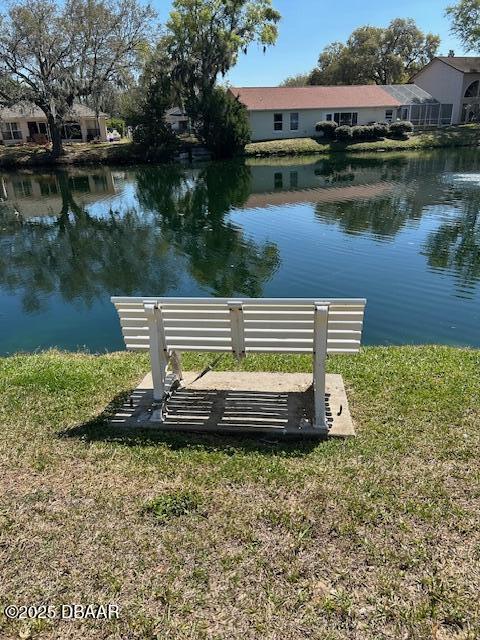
[459, 136]
[75, 153]
[228, 538]
[121, 152]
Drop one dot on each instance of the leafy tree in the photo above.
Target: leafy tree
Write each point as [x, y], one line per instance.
[334, 67]
[374, 55]
[53, 54]
[144, 106]
[224, 126]
[465, 16]
[204, 39]
[152, 131]
[118, 124]
[299, 80]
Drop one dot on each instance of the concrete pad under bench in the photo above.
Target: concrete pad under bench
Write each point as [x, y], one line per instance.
[240, 402]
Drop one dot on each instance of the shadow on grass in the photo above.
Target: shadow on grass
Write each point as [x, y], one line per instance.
[101, 428]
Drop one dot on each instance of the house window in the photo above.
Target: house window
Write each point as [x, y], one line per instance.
[278, 121]
[328, 117]
[346, 118]
[473, 90]
[389, 115]
[79, 184]
[294, 121]
[22, 188]
[71, 131]
[278, 180]
[37, 128]
[11, 131]
[48, 188]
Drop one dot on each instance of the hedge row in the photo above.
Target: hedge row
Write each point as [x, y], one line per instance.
[331, 131]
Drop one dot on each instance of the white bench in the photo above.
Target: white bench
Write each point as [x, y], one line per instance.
[168, 326]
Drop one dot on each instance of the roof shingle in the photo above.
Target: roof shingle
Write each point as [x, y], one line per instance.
[27, 109]
[315, 97]
[465, 64]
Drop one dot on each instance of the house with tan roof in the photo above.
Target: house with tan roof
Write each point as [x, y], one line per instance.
[293, 112]
[446, 91]
[25, 122]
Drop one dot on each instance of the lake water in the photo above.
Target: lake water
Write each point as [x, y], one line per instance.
[402, 231]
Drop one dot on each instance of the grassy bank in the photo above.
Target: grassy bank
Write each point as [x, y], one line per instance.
[461, 136]
[216, 537]
[76, 153]
[126, 152]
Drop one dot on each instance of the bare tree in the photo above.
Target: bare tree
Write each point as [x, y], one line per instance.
[53, 54]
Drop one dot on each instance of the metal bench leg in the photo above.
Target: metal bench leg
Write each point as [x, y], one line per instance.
[158, 350]
[319, 359]
[159, 369]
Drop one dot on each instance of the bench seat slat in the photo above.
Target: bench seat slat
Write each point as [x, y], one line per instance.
[186, 332]
[118, 300]
[301, 342]
[284, 316]
[202, 349]
[297, 325]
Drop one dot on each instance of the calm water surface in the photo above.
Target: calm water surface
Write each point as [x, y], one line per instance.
[402, 231]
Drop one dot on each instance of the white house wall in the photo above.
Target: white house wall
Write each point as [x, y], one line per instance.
[445, 84]
[261, 122]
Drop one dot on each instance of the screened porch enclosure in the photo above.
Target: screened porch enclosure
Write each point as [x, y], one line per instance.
[427, 114]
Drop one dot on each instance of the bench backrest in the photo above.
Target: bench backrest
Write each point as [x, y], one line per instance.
[242, 324]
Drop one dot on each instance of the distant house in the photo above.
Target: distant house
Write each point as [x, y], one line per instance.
[454, 80]
[27, 123]
[177, 119]
[292, 112]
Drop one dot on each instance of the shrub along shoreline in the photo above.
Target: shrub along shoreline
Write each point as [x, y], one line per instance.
[376, 131]
[376, 535]
[454, 136]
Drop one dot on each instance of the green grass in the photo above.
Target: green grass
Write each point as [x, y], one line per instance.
[172, 505]
[124, 152]
[458, 136]
[235, 538]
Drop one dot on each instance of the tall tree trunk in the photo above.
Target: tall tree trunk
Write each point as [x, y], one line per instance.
[56, 136]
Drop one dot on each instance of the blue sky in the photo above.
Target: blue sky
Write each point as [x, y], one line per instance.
[308, 25]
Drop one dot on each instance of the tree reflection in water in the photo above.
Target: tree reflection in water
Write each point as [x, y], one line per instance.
[455, 245]
[416, 185]
[84, 257]
[177, 223]
[219, 257]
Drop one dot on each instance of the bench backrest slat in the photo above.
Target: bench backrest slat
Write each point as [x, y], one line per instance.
[268, 324]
